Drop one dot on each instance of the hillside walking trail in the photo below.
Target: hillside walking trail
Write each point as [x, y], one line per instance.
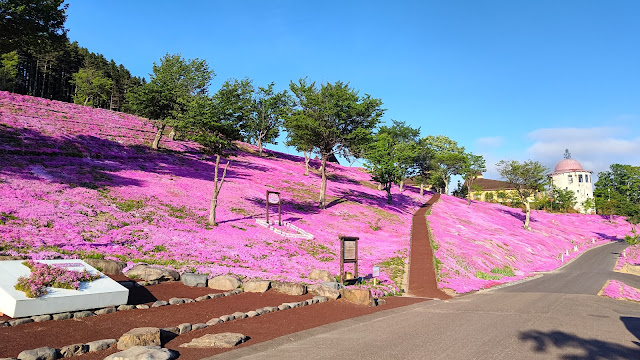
[556, 316]
[422, 275]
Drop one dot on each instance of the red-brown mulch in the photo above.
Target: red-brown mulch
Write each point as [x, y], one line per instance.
[112, 326]
[422, 275]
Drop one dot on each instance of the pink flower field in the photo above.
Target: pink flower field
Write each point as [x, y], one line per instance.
[618, 290]
[77, 181]
[482, 245]
[630, 256]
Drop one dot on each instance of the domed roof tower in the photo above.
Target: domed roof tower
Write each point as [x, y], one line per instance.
[570, 175]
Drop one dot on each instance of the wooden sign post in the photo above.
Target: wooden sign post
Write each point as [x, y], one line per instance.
[348, 254]
[273, 198]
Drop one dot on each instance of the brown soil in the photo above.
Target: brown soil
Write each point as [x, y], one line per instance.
[422, 275]
[112, 326]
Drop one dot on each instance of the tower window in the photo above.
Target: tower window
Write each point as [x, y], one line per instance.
[586, 178]
[570, 179]
[579, 178]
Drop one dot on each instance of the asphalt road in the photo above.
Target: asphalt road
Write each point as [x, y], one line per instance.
[556, 316]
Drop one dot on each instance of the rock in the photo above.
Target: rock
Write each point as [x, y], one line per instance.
[214, 321]
[159, 303]
[83, 314]
[215, 295]
[188, 301]
[194, 280]
[324, 275]
[224, 282]
[292, 305]
[380, 302]
[62, 316]
[142, 306]
[228, 293]
[4, 324]
[226, 318]
[173, 329]
[322, 290]
[176, 301]
[43, 353]
[320, 299]
[270, 309]
[107, 310]
[73, 350]
[203, 298]
[125, 307]
[100, 345]
[110, 267]
[284, 307]
[257, 286]
[358, 296]
[20, 321]
[199, 326]
[309, 302]
[184, 328]
[238, 291]
[224, 340]
[333, 284]
[152, 273]
[41, 318]
[143, 353]
[143, 336]
[289, 288]
[239, 315]
[252, 314]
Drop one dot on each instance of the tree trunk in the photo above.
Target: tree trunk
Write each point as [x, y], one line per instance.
[86, 100]
[172, 134]
[216, 190]
[401, 186]
[307, 158]
[154, 146]
[421, 189]
[528, 209]
[446, 185]
[323, 184]
[260, 146]
[388, 189]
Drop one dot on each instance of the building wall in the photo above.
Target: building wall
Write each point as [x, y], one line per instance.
[580, 182]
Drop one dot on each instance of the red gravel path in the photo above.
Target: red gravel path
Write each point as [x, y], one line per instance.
[112, 326]
[422, 275]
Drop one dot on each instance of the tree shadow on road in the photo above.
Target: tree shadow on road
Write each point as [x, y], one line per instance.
[583, 349]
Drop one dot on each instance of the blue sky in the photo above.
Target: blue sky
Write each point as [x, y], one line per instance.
[506, 79]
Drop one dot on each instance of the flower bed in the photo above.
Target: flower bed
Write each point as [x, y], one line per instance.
[618, 290]
[43, 276]
[630, 256]
[484, 244]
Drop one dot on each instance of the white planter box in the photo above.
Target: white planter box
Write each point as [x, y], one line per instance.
[99, 293]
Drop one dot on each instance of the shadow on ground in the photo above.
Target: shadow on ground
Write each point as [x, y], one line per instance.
[581, 348]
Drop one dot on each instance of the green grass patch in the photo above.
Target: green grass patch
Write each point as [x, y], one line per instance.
[129, 205]
[5, 217]
[239, 211]
[505, 271]
[486, 276]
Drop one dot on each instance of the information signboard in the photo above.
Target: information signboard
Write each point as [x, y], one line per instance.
[348, 254]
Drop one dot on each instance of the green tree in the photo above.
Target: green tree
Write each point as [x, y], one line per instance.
[473, 167]
[448, 159]
[588, 205]
[91, 84]
[529, 177]
[391, 156]
[329, 120]
[31, 24]
[215, 123]
[9, 70]
[620, 185]
[563, 199]
[171, 88]
[269, 111]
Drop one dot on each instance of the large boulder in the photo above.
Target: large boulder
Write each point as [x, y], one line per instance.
[259, 286]
[110, 267]
[323, 275]
[43, 353]
[224, 282]
[223, 340]
[143, 353]
[358, 296]
[144, 336]
[152, 273]
[194, 280]
[322, 290]
[289, 288]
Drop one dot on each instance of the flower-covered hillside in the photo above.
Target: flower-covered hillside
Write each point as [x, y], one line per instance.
[79, 181]
[484, 244]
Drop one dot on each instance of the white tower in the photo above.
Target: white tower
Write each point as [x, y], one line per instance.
[569, 175]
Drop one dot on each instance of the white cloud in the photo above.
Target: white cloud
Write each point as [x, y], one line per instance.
[490, 142]
[595, 148]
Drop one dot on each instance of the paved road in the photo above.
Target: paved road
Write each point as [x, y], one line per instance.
[556, 316]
